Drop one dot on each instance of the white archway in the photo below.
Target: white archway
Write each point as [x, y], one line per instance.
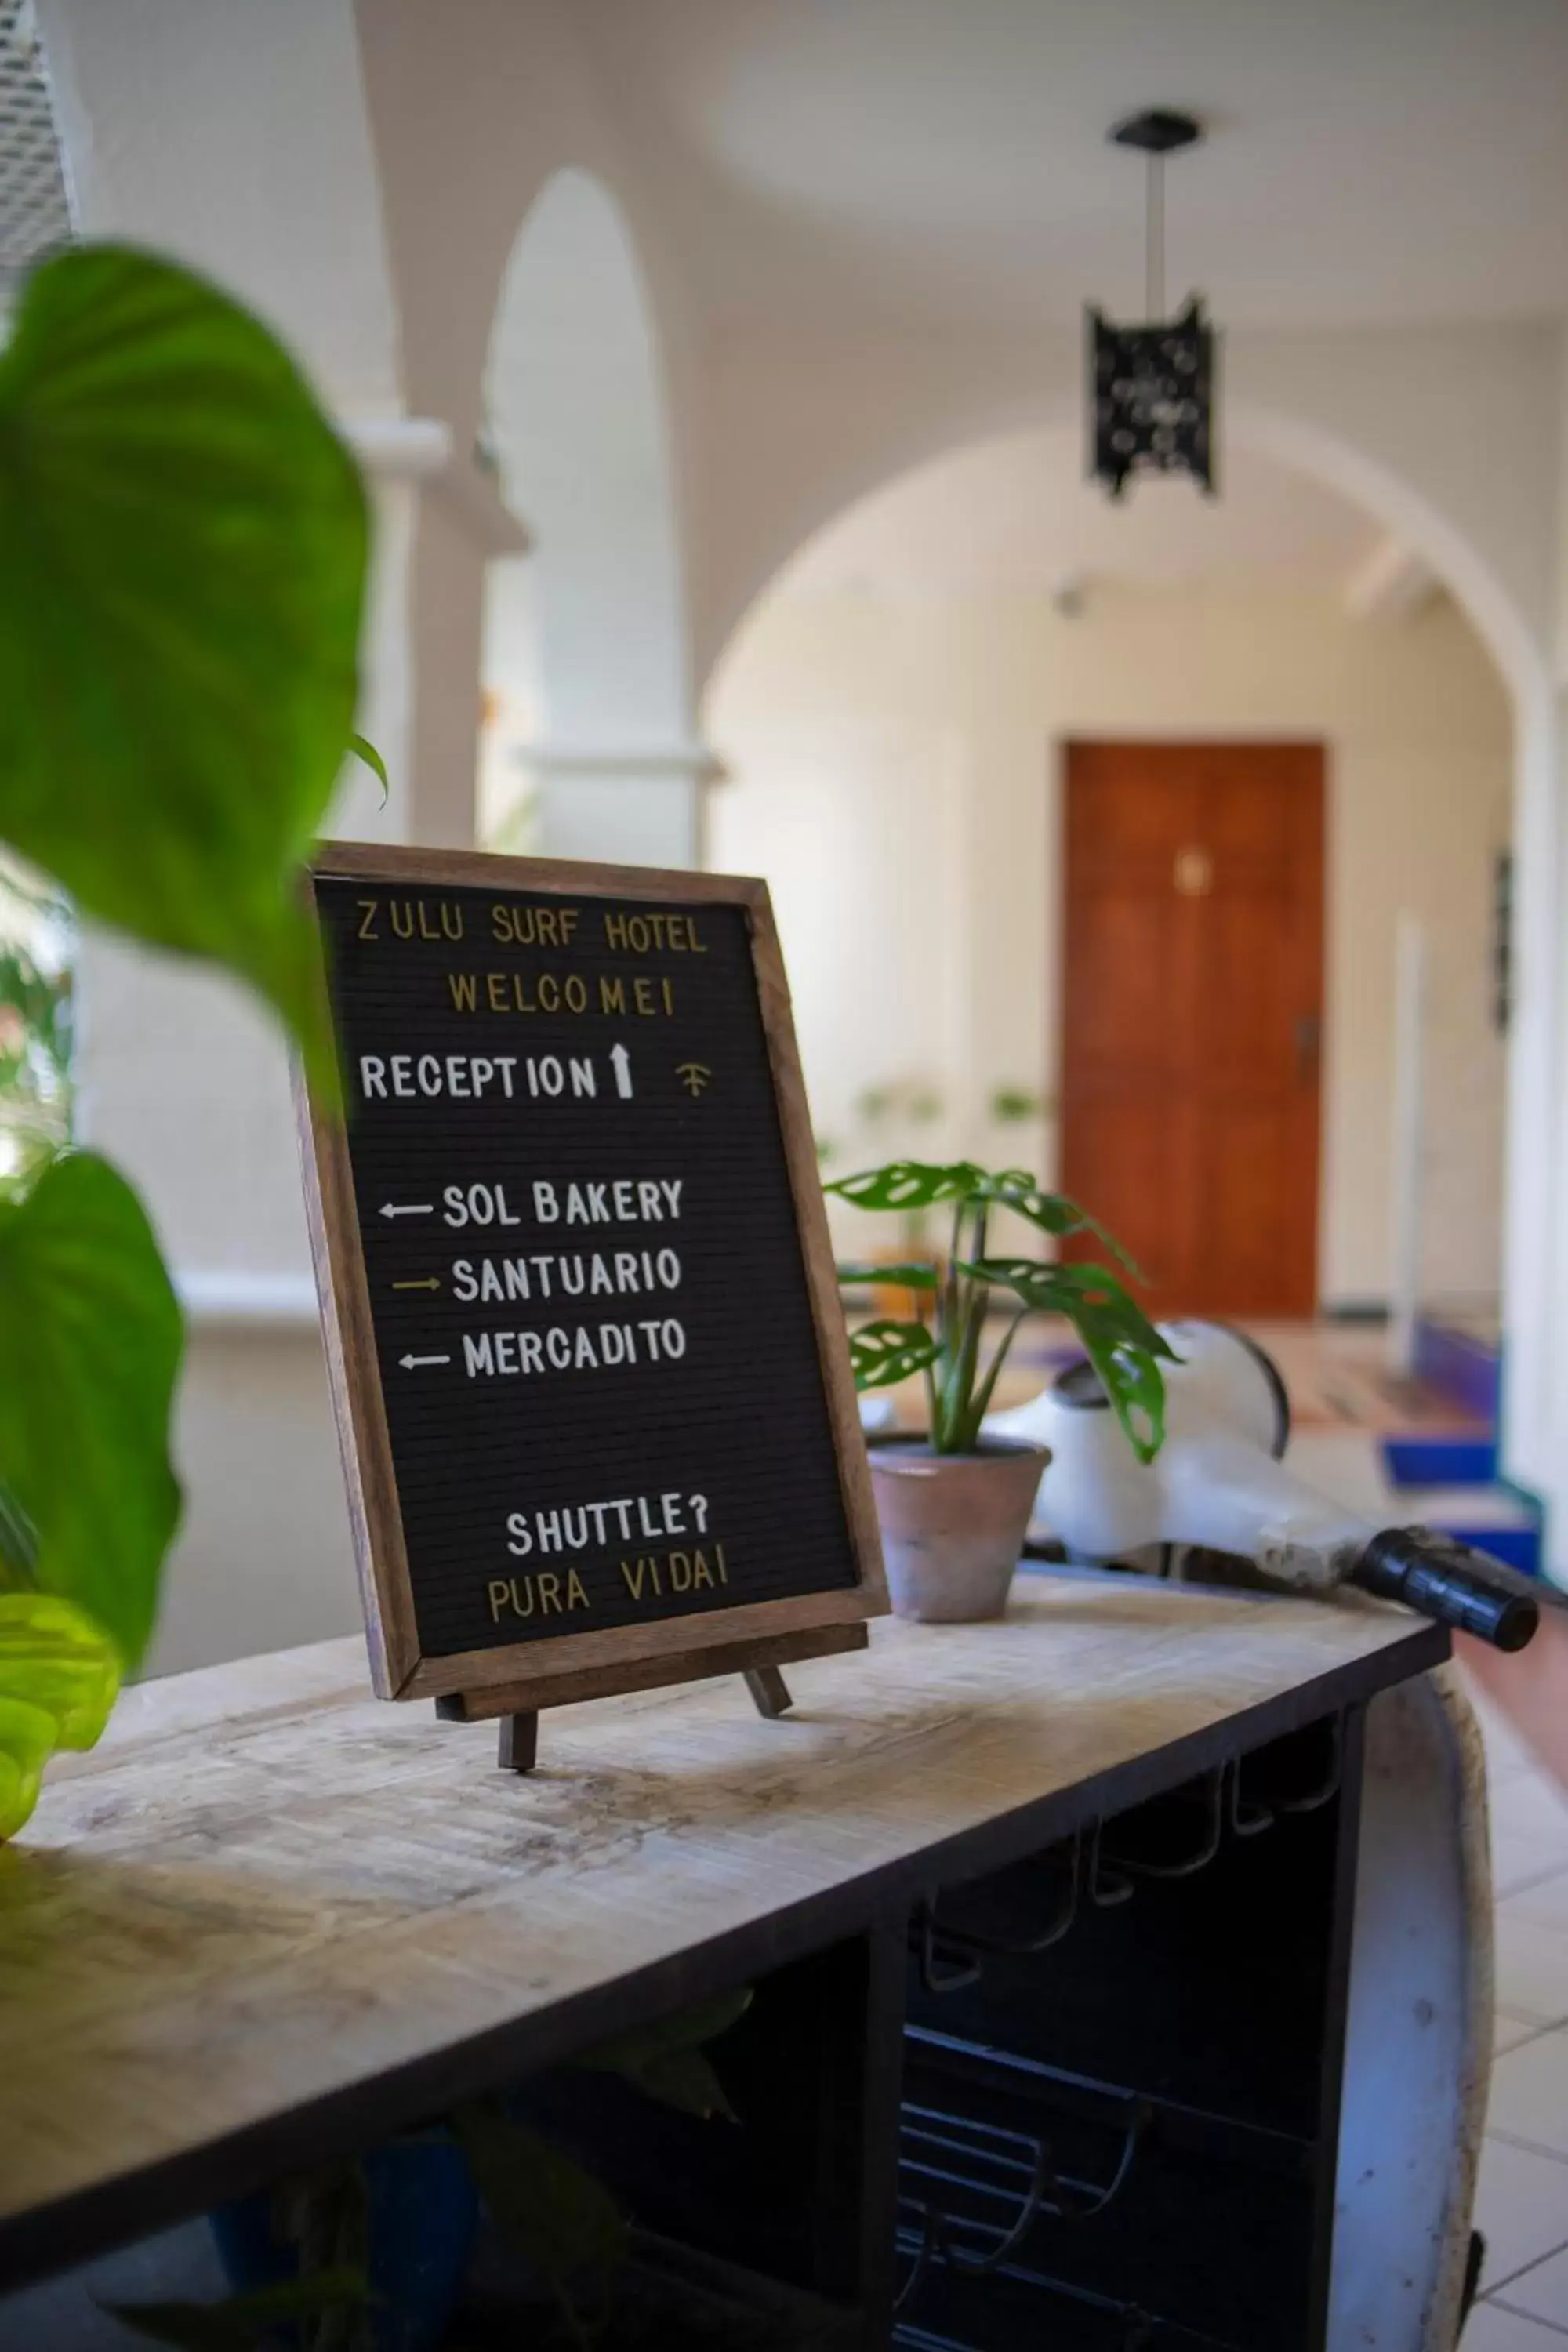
[586, 635]
[1534, 1274]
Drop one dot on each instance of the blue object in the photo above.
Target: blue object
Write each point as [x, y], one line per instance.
[1462, 1366]
[1441, 1461]
[423, 2210]
[1517, 1548]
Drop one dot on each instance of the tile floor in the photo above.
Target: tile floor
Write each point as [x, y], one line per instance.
[1522, 2207]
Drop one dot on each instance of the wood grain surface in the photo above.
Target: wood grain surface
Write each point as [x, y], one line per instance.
[270, 1917]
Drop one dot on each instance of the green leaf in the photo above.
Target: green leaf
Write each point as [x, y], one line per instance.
[26, 1743]
[685, 2079]
[365, 751]
[883, 1352]
[1120, 1340]
[91, 1348]
[53, 1657]
[1010, 1104]
[182, 542]
[908, 1274]
[665, 2060]
[1015, 1189]
[550, 2210]
[909, 1184]
[244, 2322]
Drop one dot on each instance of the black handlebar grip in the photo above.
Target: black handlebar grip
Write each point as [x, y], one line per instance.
[1441, 1578]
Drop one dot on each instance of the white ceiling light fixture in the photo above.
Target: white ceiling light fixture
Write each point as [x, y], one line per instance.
[1152, 387]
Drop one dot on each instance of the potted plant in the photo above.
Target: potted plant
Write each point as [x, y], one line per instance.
[954, 1504]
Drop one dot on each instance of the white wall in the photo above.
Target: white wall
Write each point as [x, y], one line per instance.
[894, 764]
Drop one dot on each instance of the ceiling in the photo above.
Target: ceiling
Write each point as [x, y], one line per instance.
[1015, 514]
[1368, 159]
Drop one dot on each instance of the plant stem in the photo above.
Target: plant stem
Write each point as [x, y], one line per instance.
[966, 1350]
[983, 1399]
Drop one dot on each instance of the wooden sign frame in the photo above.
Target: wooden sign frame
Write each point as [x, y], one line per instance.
[753, 1638]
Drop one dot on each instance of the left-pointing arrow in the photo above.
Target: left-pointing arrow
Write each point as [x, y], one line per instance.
[412, 1363]
[406, 1208]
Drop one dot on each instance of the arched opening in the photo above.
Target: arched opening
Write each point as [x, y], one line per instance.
[890, 710]
[585, 677]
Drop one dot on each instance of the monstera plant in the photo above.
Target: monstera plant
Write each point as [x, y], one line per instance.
[956, 1506]
[946, 1338]
[183, 548]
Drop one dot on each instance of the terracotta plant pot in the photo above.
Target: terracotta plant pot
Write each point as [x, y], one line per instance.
[953, 1525]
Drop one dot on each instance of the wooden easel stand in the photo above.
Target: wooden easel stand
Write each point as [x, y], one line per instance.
[758, 1663]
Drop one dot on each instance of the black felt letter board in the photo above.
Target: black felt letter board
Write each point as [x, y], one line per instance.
[601, 1379]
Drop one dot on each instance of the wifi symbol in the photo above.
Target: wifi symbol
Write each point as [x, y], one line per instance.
[693, 1076]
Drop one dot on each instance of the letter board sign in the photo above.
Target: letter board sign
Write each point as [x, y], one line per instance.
[589, 1368]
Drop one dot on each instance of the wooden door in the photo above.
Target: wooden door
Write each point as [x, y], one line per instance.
[1191, 1015]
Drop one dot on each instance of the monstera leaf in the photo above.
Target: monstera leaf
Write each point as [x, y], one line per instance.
[90, 1345]
[60, 1675]
[883, 1352]
[183, 545]
[953, 1348]
[906, 1275]
[1015, 1189]
[1119, 1338]
[908, 1184]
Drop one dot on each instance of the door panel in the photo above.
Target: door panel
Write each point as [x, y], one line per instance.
[1126, 950]
[1191, 1013]
[1129, 1142]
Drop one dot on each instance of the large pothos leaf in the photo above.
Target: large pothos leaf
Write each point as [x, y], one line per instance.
[883, 1352]
[27, 1744]
[1120, 1340]
[60, 1676]
[182, 541]
[90, 1339]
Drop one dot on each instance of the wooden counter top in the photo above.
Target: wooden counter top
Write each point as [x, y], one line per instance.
[269, 1913]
